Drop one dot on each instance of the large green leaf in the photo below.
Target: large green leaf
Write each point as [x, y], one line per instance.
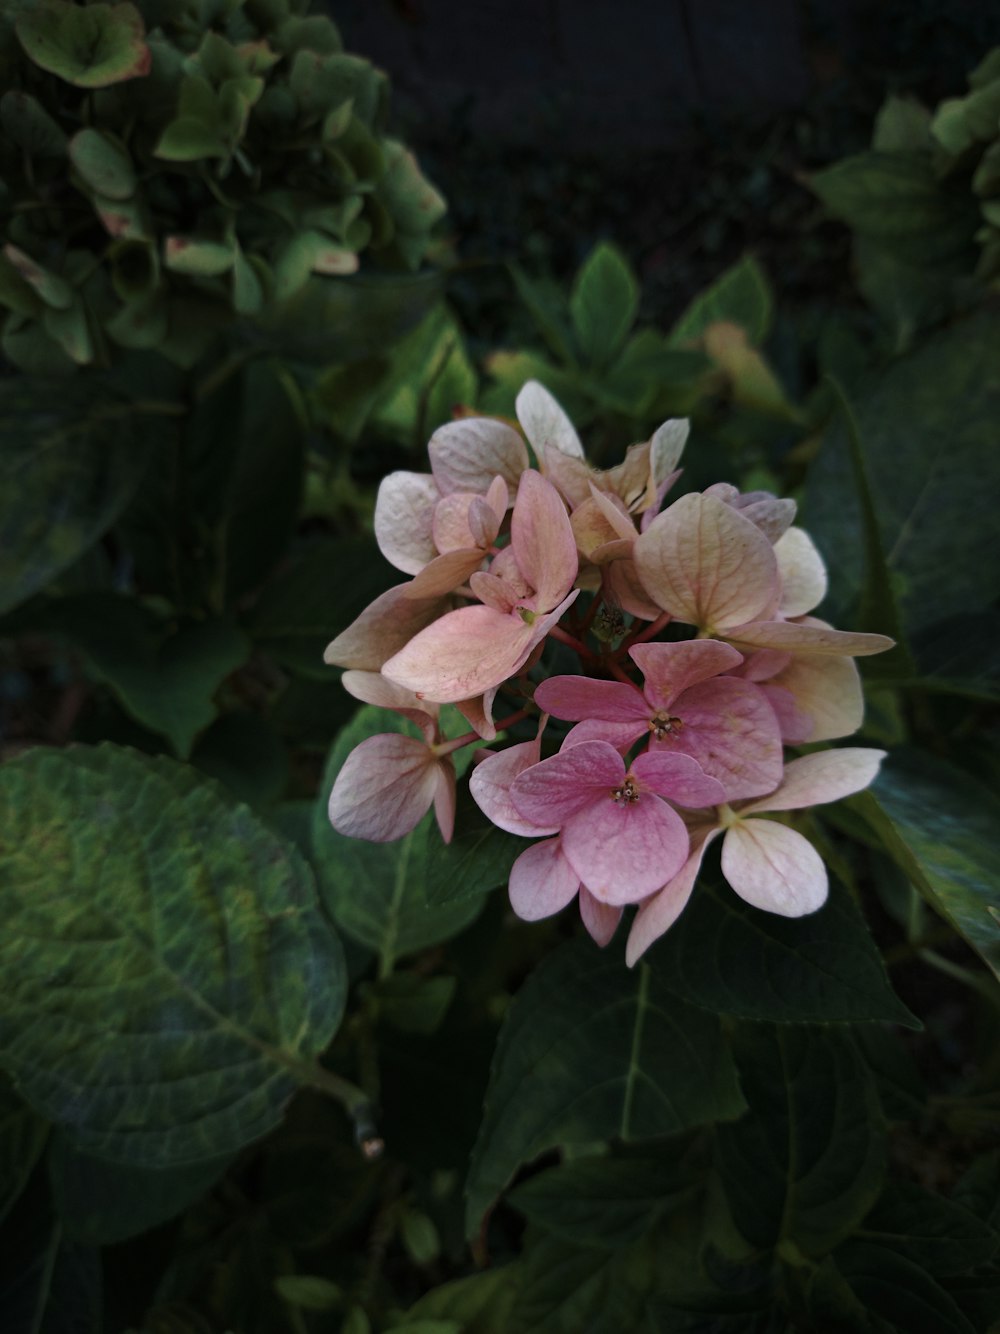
[377, 892]
[565, 1289]
[663, 1066]
[168, 978]
[88, 45]
[805, 1164]
[477, 859]
[742, 295]
[733, 959]
[480, 1302]
[603, 304]
[900, 1290]
[935, 1233]
[22, 1138]
[49, 1284]
[941, 825]
[69, 463]
[927, 429]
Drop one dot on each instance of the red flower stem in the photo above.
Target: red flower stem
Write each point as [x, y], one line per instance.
[468, 738]
[654, 627]
[575, 644]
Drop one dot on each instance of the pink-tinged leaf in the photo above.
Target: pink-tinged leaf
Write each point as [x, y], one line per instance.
[542, 881]
[386, 785]
[672, 668]
[600, 919]
[707, 565]
[404, 519]
[463, 654]
[550, 792]
[795, 637]
[827, 691]
[504, 566]
[571, 477]
[658, 913]
[383, 628]
[495, 592]
[490, 783]
[451, 521]
[486, 514]
[679, 778]
[478, 712]
[771, 514]
[445, 798]
[666, 447]
[576, 697]
[825, 776]
[802, 573]
[373, 688]
[774, 868]
[545, 423]
[796, 725]
[593, 527]
[623, 851]
[445, 573]
[466, 455]
[631, 481]
[622, 587]
[762, 665]
[729, 727]
[542, 540]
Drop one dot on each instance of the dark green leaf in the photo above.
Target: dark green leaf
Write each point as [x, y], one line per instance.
[961, 656]
[103, 164]
[70, 463]
[742, 295]
[927, 429]
[102, 1203]
[806, 1163]
[22, 1139]
[979, 1189]
[413, 1004]
[376, 892]
[90, 46]
[244, 753]
[936, 1234]
[941, 826]
[892, 1286]
[603, 304]
[546, 305]
[565, 1290]
[30, 126]
[731, 958]
[477, 859]
[49, 1284]
[481, 1303]
[168, 977]
[663, 1066]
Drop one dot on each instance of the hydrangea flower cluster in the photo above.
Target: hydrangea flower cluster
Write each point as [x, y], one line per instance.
[699, 662]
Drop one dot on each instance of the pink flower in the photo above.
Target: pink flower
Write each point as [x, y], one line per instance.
[388, 783]
[686, 707]
[527, 589]
[768, 864]
[616, 830]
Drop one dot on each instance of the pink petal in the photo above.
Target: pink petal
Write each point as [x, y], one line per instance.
[495, 592]
[577, 697]
[373, 688]
[762, 665]
[600, 919]
[707, 565]
[404, 517]
[679, 778]
[774, 868]
[622, 852]
[622, 587]
[772, 515]
[545, 423]
[385, 786]
[463, 654]
[619, 735]
[671, 668]
[542, 540]
[451, 521]
[667, 446]
[802, 573]
[445, 573]
[729, 727]
[466, 455]
[383, 628]
[541, 881]
[445, 798]
[658, 913]
[478, 711]
[551, 792]
[794, 637]
[631, 481]
[796, 725]
[825, 776]
[490, 783]
[827, 691]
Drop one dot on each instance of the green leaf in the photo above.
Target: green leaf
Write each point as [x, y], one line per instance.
[978, 1190]
[733, 959]
[742, 295]
[103, 164]
[927, 427]
[30, 126]
[664, 1066]
[102, 1203]
[477, 859]
[606, 1202]
[902, 125]
[481, 1303]
[53, 290]
[244, 752]
[603, 304]
[412, 201]
[936, 1234]
[545, 303]
[940, 826]
[806, 1163]
[90, 46]
[22, 1139]
[893, 1286]
[309, 1292]
[70, 461]
[49, 1284]
[189, 139]
[413, 1004]
[376, 892]
[198, 258]
[169, 979]
[961, 656]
